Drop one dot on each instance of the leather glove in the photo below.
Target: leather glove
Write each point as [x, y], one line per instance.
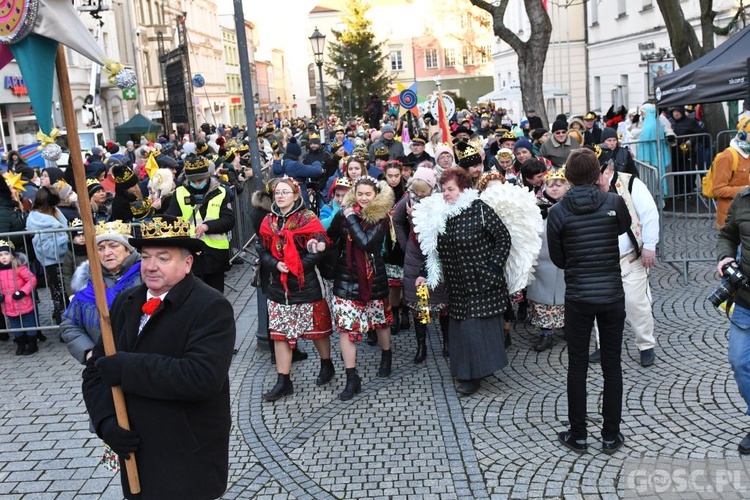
[110, 367]
[122, 442]
[18, 295]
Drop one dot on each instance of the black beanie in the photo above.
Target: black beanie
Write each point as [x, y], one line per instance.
[54, 174]
[538, 133]
[559, 125]
[608, 132]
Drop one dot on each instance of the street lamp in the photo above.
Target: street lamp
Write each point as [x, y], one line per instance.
[340, 78]
[348, 85]
[318, 43]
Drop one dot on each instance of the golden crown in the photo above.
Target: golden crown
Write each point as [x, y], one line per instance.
[509, 136]
[505, 154]
[201, 149]
[7, 243]
[112, 227]
[91, 182]
[336, 144]
[76, 223]
[197, 163]
[59, 184]
[555, 175]
[127, 174]
[382, 151]
[142, 210]
[159, 228]
[314, 136]
[597, 150]
[468, 151]
[343, 182]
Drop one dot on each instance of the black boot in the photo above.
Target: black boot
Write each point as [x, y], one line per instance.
[298, 355]
[545, 341]
[21, 343]
[326, 372]
[31, 346]
[372, 337]
[395, 324]
[386, 357]
[41, 338]
[353, 385]
[506, 339]
[404, 325]
[523, 308]
[444, 322]
[282, 388]
[420, 329]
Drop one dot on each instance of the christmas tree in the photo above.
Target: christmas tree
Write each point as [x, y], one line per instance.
[356, 50]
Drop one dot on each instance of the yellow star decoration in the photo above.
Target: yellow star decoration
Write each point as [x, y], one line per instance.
[14, 181]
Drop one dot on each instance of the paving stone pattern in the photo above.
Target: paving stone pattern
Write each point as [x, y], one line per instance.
[408, 436]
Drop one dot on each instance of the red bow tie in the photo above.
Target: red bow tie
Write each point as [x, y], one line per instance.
[151, 305]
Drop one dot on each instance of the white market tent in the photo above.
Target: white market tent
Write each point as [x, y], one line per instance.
[511, 96]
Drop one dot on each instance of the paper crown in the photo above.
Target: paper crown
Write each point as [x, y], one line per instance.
[92, 182]
[381, 151]
[76, 223]
[359, 153]
[597, 150]
[126, 175]
[466, 151]
[140, 209]
[589, 116]
[314, 136]
[509, 136]
[505, 154]
[7, 243]
[201, 148]
[197, 163]
[160, 228]
[112, 227]
[336, 144]
[555, 175]
[343, 182]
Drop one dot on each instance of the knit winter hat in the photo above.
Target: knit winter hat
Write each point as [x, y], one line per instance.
[93, 185]
[523, 143]
[425, 175]
[54, 174]
[608, 133]
[115, 230]
[293, 149]
[559, 125]
[387, 128]
[582, 167]
[444, 148]
[538, 133]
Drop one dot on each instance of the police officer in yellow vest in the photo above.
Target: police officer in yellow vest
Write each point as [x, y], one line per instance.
[203, 201]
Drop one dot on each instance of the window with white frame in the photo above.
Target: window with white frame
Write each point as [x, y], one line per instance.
[396, 61]
[431, 59]
[468, 56]
[450, 57]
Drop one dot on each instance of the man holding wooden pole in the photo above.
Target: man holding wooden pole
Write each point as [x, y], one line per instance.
[174, 338]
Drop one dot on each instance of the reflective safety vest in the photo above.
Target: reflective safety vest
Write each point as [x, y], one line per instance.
[213, 212]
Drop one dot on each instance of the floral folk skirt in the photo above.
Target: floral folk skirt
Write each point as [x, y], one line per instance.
[355, 318]
[395, 275]
[546, 316]
[291, 322]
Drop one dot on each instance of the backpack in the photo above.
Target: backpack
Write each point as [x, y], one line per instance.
[708, 180]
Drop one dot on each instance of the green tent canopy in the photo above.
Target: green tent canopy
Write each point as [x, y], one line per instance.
[137, 126]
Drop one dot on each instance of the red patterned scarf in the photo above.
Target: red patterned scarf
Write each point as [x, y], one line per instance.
[286, 242]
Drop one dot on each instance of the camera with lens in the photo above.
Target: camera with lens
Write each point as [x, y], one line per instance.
[733, 281]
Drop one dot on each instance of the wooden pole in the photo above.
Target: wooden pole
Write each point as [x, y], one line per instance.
[76, 163]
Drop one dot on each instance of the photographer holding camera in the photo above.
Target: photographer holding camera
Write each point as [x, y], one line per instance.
[736, 233]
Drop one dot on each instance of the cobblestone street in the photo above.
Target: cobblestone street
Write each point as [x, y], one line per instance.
[409, 435]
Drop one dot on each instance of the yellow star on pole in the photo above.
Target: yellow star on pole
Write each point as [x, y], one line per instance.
[14, 181]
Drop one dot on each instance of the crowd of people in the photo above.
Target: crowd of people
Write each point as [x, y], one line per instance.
[363, 229]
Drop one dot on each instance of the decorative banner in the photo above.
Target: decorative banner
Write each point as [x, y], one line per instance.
[407, 98]
[30, 31]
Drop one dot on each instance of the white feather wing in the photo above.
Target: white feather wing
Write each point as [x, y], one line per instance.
[518, 210]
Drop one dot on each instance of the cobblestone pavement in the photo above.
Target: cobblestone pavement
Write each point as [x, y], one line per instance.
[409, 435]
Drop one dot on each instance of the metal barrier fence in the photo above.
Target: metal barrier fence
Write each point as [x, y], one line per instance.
[53, 290]
[722, 140]
[243, 234]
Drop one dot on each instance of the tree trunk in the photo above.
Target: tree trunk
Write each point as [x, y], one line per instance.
[686, 48]
[532, 54]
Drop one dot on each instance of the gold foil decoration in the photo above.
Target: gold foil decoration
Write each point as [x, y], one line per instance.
[423, 295]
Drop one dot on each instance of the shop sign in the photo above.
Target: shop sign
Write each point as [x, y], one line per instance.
[16, 85]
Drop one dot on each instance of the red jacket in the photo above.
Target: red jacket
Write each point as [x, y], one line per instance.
[12, 280]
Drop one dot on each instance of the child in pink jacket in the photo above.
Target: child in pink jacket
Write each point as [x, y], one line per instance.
[17, 283]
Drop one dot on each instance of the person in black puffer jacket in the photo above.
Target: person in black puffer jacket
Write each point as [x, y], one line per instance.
[582, 237]
[297, 307]
[360, 286]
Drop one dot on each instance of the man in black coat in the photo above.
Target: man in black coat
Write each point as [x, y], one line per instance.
[174, 337]
[582, 237]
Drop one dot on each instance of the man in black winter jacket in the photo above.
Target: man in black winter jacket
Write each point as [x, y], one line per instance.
[582, 236]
